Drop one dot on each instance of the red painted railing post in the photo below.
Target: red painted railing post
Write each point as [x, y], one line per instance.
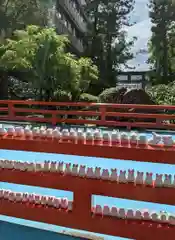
[103, 114]
[82, 205]
[159, 122]
[11, 114]
[54, 121]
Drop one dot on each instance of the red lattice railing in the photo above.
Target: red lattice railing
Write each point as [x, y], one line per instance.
[126, 115]
[85, 184]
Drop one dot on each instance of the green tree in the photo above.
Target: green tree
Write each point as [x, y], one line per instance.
[171, 52]
[40, 54]
[17, 14]
[162, 14]
[108, 46]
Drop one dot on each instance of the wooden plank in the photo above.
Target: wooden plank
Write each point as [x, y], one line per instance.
[148, 154]
[141, 115]
[96, 187]
[136, 106]
[4, 109]
[57, 112]
[140, 230]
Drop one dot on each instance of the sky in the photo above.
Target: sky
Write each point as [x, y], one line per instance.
[141, 30]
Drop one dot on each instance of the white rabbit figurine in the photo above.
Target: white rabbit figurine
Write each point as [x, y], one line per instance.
[124, 138]
[155, 140]
[143, 139]
[167, 140]
[134, 138]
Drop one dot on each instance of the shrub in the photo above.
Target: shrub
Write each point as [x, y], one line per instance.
[86, 97]
[62, 96]
[163, 94]
[112, 95]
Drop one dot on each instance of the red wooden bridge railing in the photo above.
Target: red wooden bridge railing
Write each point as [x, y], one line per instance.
[79, 220]
[84, 186]
[88, 183]
[127, 115]
[137, 153]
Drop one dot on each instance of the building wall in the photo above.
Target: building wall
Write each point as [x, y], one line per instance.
[71, 21]
[133, 78]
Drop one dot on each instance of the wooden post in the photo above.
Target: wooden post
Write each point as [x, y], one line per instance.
[103, 114]
[54, 121]
[11, 114]
[82, 204]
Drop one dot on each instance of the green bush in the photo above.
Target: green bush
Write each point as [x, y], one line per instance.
[62, 96]
[111, 95]
[86, 97]
[163, 94]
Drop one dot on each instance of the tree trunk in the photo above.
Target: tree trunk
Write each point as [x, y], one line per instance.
[165, 57]
[3, 86]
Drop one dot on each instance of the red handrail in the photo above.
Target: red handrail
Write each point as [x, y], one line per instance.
[120, 115]
[141, 154]
[86, 104]
[77, 185]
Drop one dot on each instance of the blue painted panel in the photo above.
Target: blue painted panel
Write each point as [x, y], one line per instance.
[9, 231]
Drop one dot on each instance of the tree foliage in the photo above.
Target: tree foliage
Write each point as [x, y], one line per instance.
[16, 14]
[161, 47]
[163, 94]
[112, 95]
[86, 97]
[40, 53]
[108, 46]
